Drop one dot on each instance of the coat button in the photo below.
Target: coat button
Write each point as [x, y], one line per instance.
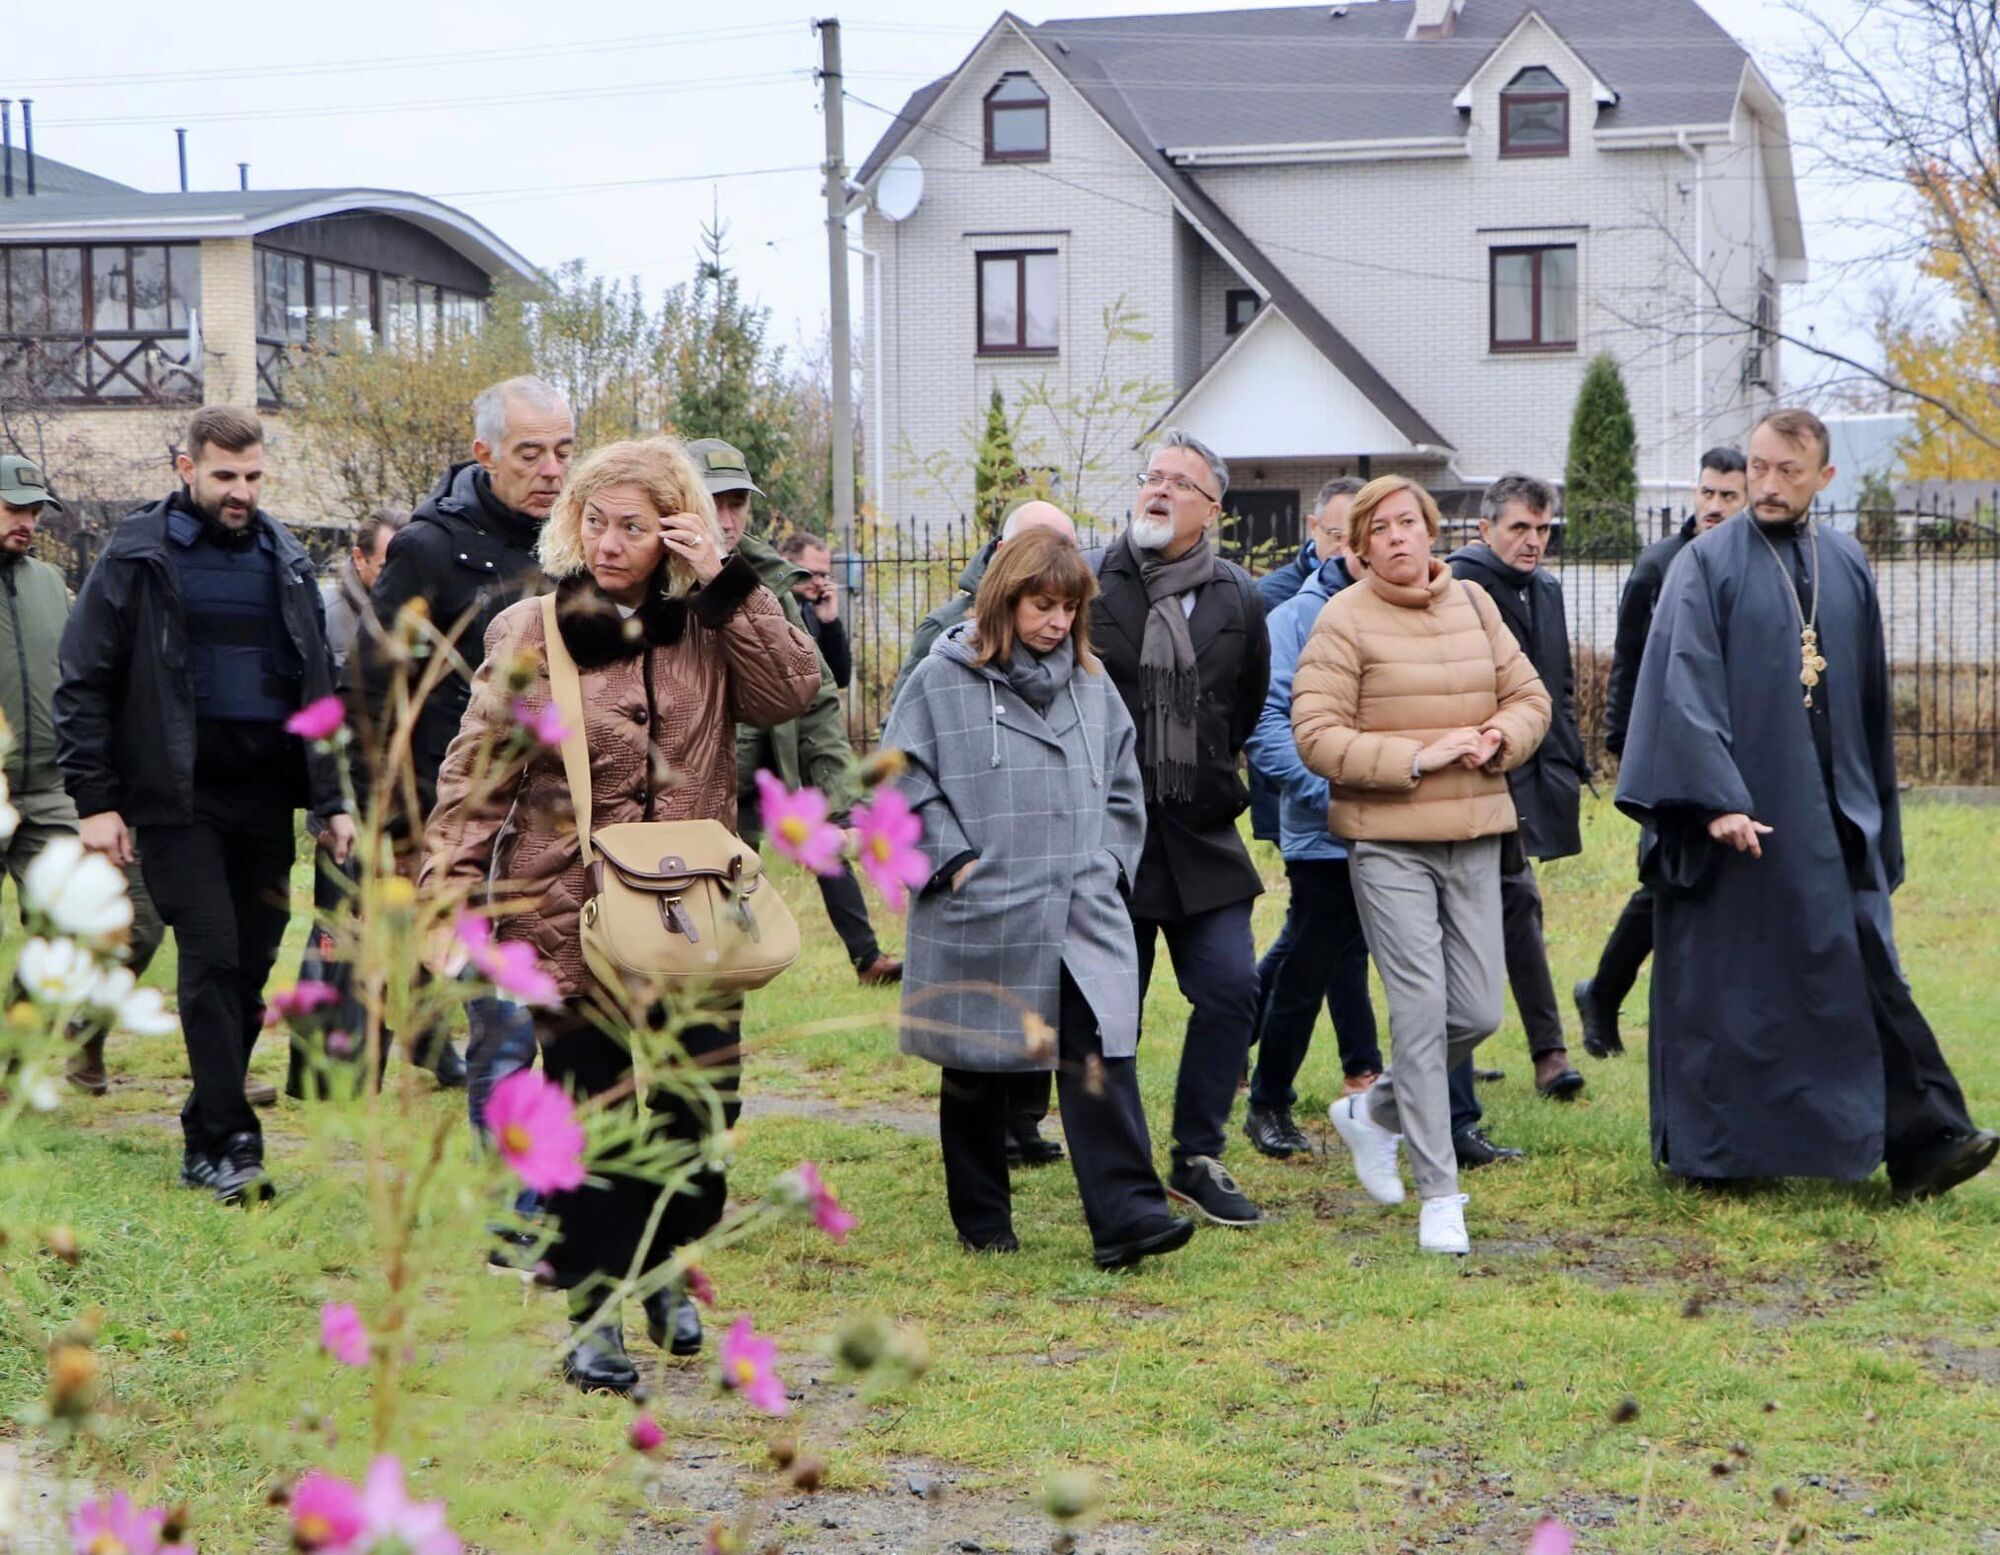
[638, 715]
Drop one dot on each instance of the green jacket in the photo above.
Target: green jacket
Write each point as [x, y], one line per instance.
[34, 604]
[946, 616]
[812, 749]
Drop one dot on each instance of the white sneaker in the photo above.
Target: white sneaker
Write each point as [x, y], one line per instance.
[1441, 1226]
[1374, 1148]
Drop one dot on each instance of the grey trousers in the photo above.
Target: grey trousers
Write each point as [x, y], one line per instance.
[1431, 911]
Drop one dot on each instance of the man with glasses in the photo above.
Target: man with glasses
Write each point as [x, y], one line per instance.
[1181, 632]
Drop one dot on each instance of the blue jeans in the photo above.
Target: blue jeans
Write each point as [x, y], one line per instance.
[1320, 953]
[500, 1040]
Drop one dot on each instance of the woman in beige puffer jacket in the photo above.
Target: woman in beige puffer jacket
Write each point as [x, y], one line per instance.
[1412, 700]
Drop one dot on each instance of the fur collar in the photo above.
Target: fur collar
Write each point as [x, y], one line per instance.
[596, 635]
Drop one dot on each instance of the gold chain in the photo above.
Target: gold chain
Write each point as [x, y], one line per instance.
[1811, 664]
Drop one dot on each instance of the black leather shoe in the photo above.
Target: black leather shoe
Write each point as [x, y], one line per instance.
[447, 1064]
[673, 1322]
[1558, 1081]
[1957, 1159]
[197, 1170]
[1163, 1238]
[1005, 1242]
[1600, 1027]
[597, 1362]
[1274, 1132]
[1489, 1076]
[1202, 1183]
[1027, 1147]
[239, 1171]
[1475, 1150]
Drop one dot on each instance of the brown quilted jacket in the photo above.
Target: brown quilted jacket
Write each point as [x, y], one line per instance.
[1388, 669]
[662, 695]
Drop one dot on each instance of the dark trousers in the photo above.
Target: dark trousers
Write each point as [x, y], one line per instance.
[1631, 942]
[222, 883]
[1215, 963]
[602, 1224]
[1465, 1109]
[1925, 1105]
[1319, 955]
[847, 911]
[500, 1040]
[1528, 958]
[1109, 1148]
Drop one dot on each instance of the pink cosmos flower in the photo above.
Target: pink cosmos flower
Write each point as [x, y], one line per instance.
[889, 836]
[510, 965]
[645, 1435]
[827, 1212]
[534, 1128]
[319, 720]
[748, 1364]
[394, 1522]
[1551, 1538]
[341, 1334]
[797, 825]
[299, 1001]
[698, 1285]
[543, 724]
[327, 1515]
[116, 1527]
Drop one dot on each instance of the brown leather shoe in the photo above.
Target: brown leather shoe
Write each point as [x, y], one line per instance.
[258, 1094]
[1355, 1084]
[86, 1068]
[879, 973]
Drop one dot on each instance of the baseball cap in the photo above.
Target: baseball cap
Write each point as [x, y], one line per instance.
[22, 482]
[722, 465]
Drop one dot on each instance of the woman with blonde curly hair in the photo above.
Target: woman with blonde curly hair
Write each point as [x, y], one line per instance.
[674, 647]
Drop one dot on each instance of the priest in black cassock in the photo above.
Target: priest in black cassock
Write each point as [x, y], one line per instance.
[1784, 1041]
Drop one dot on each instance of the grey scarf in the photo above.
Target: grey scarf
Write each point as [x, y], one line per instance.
[1038, 678]
[1169, 678]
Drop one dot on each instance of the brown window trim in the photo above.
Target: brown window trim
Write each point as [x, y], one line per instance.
[986, 124]
[1229, 300]
[1536, 346]
[1020, 257]
[1508, 149]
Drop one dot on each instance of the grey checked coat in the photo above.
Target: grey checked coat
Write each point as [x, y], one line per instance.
[1054, 810]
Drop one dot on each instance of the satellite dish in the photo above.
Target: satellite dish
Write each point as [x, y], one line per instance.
[900, 188]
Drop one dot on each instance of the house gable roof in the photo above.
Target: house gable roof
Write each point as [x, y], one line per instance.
[1602, 92]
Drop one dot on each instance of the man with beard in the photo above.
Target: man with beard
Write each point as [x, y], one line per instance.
[1181, 632]
[1762, 755]
[35, 601]
[468, 552]
[1719, 495]
[197, 635]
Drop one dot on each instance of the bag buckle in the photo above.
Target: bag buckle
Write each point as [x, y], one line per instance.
[676, 918]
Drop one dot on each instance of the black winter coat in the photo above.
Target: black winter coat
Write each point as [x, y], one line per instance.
[468, 558]
[1195, 859]
[1547, 790]
[125, 707]
[1635, 619]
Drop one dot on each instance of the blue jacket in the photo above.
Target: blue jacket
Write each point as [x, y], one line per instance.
[1273, 752]
[1279, 586]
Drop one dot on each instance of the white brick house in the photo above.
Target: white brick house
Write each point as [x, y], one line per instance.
[1364, 237]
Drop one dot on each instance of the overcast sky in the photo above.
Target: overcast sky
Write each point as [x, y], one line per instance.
[610, 140]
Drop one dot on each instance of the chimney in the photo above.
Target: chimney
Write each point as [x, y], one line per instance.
[6, 148]
[28, 138]
[181, 137]
[1435, 18]
[243, 175]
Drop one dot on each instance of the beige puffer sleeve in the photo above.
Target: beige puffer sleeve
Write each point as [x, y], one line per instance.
[1326, 711]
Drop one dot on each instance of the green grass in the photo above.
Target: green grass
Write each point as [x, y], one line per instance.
[1317, 1376]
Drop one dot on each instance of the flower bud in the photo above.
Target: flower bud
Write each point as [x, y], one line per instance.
[1069, 1495]
[863, 1341]
[73, 1373]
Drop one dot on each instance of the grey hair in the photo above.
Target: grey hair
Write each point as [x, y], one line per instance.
[1339, 486]
[1535, 494]
[489, 411]
[1174, 437]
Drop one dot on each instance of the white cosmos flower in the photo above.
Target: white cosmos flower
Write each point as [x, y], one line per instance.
[43, 1094]
[144, 1013]
[57, 972]
[10, 818]
[78, 891]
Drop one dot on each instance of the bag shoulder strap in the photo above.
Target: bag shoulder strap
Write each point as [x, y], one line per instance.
[566, 689]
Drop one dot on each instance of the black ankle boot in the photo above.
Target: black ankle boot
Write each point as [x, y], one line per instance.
[597, 1362]
[673, 1322]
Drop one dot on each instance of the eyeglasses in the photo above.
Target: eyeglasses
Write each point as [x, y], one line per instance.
[1180, 485]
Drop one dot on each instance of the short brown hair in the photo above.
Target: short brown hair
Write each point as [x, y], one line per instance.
[798, 541]
[224, 426]
[1372, 496]
[1036, 561]
[1798, 426]
[369, 530]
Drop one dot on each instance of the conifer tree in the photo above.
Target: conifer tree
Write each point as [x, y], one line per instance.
[1601, 482]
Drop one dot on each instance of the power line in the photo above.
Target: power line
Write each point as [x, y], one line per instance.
[543, 191]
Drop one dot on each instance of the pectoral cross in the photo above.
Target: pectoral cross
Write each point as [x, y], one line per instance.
[1810, 662]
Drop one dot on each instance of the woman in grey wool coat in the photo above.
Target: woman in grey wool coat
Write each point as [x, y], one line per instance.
[1021, 957]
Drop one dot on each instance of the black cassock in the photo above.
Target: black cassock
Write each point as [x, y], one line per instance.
[1784, 1042]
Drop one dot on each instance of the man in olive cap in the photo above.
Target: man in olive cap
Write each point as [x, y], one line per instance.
[811, 750]
[34, 604]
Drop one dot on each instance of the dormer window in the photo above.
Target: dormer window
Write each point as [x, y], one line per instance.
[1534, 115]
[1017, 120]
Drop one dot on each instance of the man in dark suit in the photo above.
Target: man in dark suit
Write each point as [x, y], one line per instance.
[1181, 632]
[1721, 493]
[1515, 517]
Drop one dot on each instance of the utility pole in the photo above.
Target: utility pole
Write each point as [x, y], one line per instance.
[836, 271]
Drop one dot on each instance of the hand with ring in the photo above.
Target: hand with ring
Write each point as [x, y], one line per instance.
[689, 538]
